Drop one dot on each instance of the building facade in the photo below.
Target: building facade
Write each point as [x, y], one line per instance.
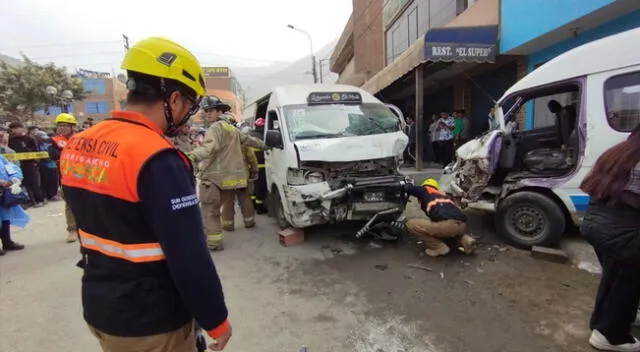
[105, 93]
[541, 30]
[221, 82]
[436, 56]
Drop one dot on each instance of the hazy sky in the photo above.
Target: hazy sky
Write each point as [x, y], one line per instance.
[88, 33]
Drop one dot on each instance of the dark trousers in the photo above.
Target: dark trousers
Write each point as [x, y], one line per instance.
[31, 181]
[617, 299]
[5, 233]
[50, 182]
[446, 151]
[437, 158]
[260, 191]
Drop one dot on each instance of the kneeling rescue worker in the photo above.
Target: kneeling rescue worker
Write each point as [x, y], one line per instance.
[444, 220]
[223, 171]
[147, 271]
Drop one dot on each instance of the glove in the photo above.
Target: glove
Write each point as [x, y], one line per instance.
[15, 187]
[253, 176]
[399, 223]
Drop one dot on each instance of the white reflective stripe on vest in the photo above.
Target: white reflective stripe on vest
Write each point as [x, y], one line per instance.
[137, 253]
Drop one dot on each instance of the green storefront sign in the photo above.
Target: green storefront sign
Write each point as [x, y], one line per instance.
[391, 8]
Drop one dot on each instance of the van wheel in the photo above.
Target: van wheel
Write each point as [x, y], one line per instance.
[278, 210]
[527, 219]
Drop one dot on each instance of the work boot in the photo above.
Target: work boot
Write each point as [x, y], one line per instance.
[467, 244]
[214, 243]
[600, 342]
[249, 222]
[12, 246]
[2, 252]
[229, 228]
[440, 251]
[72, 236]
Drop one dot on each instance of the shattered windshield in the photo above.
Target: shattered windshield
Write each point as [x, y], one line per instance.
[338, 120]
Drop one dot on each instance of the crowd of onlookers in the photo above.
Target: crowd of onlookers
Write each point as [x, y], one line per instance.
[441, 135]
[40, 176]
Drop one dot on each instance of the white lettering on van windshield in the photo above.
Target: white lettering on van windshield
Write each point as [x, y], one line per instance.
[308, 147]
[299, 112]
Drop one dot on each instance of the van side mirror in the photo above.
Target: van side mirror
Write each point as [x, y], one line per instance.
[273, 139]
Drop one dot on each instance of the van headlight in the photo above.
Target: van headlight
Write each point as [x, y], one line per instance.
[300, 177]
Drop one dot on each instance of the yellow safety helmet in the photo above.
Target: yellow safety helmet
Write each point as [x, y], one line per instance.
[161, 57]
[66, 118]
[431, 183]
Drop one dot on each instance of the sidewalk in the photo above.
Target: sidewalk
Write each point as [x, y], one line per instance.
[428, 171]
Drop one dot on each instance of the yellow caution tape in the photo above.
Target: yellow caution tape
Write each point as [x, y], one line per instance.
[26, 156]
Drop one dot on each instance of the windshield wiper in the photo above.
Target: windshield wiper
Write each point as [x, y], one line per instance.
[319, 135]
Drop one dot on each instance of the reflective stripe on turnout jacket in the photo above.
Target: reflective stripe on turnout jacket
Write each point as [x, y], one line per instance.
[438, 206]
[126, 288]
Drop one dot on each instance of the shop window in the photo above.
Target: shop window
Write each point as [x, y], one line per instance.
[96, 107]
[95, 86]
[622, 101]
[413, 25]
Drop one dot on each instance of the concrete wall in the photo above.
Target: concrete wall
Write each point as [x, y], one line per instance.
[368, 37]
[525, 20]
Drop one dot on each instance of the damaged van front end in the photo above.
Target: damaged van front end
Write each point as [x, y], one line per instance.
[329, 186]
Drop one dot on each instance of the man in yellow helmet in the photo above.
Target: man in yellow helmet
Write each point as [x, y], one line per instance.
[147, 271]
[223, 171]
[443, 220]
[65, 127]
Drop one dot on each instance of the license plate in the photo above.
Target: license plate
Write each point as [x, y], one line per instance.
[374, 196]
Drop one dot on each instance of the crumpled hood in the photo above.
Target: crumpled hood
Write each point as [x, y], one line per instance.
[353, 148]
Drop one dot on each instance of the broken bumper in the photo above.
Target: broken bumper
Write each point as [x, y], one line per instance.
[354, 199]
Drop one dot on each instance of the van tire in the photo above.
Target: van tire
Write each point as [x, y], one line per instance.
[278, 210]
[526, 219]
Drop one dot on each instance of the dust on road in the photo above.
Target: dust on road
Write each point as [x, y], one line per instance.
[331, 293]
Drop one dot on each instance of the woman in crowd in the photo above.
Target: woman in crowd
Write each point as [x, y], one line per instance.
[612, 226]
[10, 213]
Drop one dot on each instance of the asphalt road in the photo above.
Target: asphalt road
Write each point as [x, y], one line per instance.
[331, 293]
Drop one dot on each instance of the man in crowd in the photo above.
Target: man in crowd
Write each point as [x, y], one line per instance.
[21, 142]
[65, 128]
[446, 125]
[147, 271]
[4, 141]
[443, 220]
[49, 177]
[223, 172]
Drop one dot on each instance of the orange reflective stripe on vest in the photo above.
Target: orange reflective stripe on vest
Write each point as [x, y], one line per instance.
[136, 253]
[435, 202]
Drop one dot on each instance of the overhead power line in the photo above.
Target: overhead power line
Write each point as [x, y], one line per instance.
[60, 45]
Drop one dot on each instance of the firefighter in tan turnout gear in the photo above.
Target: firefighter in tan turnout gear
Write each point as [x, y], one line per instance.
[223, 170]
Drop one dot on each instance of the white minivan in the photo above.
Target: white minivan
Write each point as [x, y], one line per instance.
[582, 103]
[334, 154]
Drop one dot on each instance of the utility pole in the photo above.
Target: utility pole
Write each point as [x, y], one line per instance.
[126, 42]
[313, 55]
[321, 63]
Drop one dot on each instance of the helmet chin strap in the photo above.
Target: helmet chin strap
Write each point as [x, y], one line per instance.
[172, 129]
